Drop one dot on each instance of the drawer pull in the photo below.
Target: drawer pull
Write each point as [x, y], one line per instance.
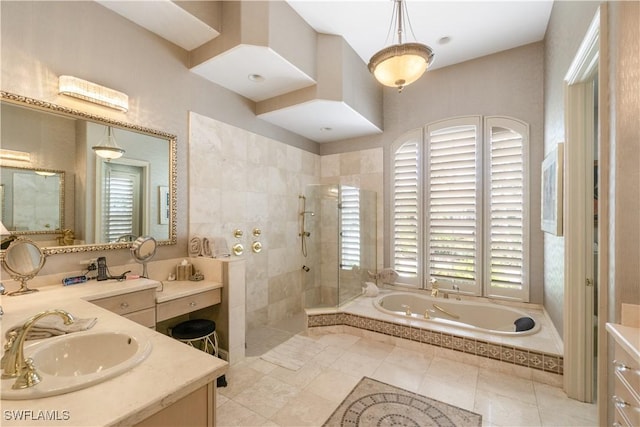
[124, 305]
[622, 404]
[621, 367]
[192, 304]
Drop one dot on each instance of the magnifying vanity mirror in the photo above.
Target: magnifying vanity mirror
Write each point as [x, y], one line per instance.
[23, 260]
[143, 249]
[57, 190]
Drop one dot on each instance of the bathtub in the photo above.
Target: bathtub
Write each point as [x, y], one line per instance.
[478, 316]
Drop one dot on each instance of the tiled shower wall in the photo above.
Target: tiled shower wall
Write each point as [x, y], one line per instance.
[362, 169]
[241, 180]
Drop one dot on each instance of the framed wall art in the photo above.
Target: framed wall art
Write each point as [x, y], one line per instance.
[552, 182]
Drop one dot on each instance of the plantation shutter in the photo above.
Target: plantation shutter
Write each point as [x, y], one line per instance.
[405, 222]
[506, 209]
[120, 210]
[350, 227]
[453, 185]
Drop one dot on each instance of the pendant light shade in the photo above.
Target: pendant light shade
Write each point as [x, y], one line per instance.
[108, 148]
[401, 64]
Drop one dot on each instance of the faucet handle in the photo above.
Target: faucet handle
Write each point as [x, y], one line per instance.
[434, 283]
[2, 288]
[28, 377]
[11, 337]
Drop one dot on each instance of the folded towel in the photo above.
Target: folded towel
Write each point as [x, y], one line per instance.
[206, 247]
[220, 248]
[195, 246]
[52, 326]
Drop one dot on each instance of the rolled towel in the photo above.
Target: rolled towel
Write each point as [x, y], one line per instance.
[195, 246]
[206, 247]
[53, 326]
[388, 275]
[220, 248]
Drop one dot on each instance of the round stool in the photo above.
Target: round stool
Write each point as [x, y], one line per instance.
[198, 331]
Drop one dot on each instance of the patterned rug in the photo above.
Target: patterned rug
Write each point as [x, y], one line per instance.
[374, 403]
[293, 353]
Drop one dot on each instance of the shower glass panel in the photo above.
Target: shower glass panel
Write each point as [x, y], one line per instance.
[340, 242]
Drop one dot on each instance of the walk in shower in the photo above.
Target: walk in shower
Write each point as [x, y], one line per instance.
[337, 231]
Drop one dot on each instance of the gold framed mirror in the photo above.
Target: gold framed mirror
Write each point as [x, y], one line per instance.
[95, 192]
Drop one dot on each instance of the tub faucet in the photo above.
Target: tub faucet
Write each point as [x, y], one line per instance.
[434, 287]
[407, 309]
[14, 364]
[457, 289]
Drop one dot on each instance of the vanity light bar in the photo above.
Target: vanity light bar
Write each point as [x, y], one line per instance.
[88, 91]
[19, 156]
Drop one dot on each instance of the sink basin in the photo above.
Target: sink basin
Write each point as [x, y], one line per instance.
[76, 361]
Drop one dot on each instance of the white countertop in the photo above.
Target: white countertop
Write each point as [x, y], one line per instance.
[171, 371]
[628, 337]
[171, 290]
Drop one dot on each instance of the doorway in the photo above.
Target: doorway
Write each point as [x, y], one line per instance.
[581, 258]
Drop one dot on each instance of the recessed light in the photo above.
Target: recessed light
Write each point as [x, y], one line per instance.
[444, 40]
[326, 129]
[257, 78]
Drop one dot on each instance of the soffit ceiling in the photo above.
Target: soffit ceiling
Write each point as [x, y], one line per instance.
[473, 29]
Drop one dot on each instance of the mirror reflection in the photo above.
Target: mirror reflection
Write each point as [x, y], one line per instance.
[74, 179]
[23, 260]
[32, 200]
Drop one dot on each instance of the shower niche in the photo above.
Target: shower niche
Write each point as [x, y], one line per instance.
[337, 234]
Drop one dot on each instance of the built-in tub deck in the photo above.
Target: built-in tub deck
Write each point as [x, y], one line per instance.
[541, 351]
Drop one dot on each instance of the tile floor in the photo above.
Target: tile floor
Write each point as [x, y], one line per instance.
[261, 339]
[260, 393]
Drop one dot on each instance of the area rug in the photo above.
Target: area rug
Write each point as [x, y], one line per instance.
[293, 353]
[374, 403]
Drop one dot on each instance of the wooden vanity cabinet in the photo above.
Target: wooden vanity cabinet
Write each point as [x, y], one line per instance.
[195, 409]
[624, 398]
[187, 304]
[138, 306]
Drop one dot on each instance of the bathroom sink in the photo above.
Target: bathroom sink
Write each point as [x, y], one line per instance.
[76, 361]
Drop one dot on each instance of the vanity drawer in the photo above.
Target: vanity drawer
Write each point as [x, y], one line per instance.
[129, 302]
[179, 306]
[146, 317]
[626, 398]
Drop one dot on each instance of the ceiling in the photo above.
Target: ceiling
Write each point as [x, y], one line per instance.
[457, 31]
[475, 28]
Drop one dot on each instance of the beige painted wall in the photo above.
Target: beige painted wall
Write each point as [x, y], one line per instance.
[507, 83]
[42, 40]
[624, 42]
[567, 27]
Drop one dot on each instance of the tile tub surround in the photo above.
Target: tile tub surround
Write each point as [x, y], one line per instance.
[541, 352]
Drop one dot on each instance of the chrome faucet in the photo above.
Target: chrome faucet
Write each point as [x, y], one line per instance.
[14, 364]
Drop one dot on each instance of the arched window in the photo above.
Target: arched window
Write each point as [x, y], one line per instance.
[459, 203]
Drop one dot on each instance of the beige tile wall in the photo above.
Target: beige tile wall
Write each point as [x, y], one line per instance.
[241, 180]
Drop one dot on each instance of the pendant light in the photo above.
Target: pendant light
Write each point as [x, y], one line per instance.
[108, 148]
[400, 64]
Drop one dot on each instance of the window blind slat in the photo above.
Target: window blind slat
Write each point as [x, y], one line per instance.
[506, 198]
